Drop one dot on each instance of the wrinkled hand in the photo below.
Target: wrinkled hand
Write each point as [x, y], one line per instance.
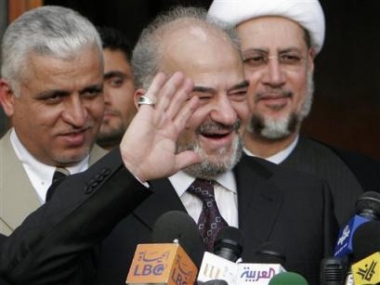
[148, 147]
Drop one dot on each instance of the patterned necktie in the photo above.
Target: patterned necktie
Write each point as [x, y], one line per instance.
[210, 221]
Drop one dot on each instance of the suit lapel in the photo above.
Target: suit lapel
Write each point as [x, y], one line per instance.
[15, 188]
[163, 200]
[259, 201]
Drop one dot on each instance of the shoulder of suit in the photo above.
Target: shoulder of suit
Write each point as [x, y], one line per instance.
[6, 150]
[6, 138]
[269, 169]
[347, 156]
[259, 165]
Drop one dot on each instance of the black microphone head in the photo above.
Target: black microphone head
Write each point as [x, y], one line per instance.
[177, 225]
[216, 282]
[288, 278]
[366, 240]
[332, 271]
[368, 205]
[229, 243]
[269, 252]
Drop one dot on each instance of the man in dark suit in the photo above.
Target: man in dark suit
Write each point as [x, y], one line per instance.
[266, 202]
[280, 40]
[85, 207]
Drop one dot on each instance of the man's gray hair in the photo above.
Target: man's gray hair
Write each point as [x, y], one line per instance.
[47, 31]
[148, 52]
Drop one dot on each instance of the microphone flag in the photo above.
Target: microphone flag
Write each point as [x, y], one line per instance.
[258, 274]
[367, 270]
[163, 263]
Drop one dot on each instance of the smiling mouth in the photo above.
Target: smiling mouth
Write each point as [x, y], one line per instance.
[274, 101]
[215, 136]
[74, 133]
[110, 113]
[274, 96]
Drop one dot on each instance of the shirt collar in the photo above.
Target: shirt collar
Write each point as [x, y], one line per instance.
[41, 171]
[281, 155]
[181, 181]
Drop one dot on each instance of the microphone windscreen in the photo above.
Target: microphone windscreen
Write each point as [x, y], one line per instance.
[177, 225]
[216, 282]
[366, 240]
[269, 252]
[332, 271]
[229, 243]
[368, 204]
[288, 278]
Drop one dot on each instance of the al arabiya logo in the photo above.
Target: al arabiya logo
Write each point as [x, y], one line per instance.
[345, 235]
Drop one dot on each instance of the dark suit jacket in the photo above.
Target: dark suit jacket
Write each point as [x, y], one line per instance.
[54, 245]
[2, 239]
[275, 204]
[348, 174]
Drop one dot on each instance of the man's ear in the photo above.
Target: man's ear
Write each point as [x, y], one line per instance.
[6, 97]
[138, 93]
[310, 58]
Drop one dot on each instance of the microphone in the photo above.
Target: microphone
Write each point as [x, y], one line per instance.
[366, 248]
[268, 261]
[288, 278]
[177, 225]
[229, 244]
[165, 261]
[216, 282]
[269, 252]
[332, 272]
[366, 240]
[228, 247]
[367, 209]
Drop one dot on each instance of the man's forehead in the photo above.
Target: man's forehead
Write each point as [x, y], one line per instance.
[271, 32]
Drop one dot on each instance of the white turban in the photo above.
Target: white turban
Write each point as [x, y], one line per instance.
[307, 13]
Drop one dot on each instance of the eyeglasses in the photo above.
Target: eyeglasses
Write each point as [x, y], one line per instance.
[287, 60]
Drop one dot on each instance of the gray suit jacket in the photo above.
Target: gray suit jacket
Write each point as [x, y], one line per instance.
[17, 195]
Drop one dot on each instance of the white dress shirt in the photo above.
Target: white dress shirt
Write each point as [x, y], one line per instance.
[40, 175]
[225, 196]
[280, 156]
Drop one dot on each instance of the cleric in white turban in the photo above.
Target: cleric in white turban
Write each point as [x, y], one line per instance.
[307, 13]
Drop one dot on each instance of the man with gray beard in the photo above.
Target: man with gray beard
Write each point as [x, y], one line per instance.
[261, 199]
[280, 40]
[222, 187]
